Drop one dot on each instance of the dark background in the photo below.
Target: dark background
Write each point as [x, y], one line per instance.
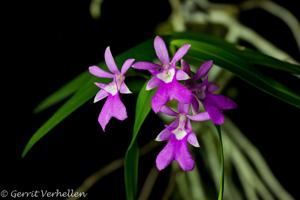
[45, 44]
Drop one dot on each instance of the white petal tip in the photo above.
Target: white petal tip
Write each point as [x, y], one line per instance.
[149, 88]
[126, 92]
[91, 67]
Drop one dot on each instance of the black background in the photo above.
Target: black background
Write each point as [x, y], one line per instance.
[47, 43]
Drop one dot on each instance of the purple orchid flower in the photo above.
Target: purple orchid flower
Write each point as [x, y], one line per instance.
[113, 106]
[203, 91]
[178, 134]
[166, 76]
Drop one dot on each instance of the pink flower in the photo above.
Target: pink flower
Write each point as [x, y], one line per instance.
[113, 106]
[203, 91]
[166, 76]
[178, 134]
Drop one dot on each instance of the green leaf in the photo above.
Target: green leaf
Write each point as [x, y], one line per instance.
[263, 60]
[131, 170]
[221, 187]
[142, 109]
[250, 56]
[143, 51]
[64, 92]
[241, 68]
[83, 95]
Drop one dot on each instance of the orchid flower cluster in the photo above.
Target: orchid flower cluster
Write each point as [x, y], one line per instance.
[190, 90]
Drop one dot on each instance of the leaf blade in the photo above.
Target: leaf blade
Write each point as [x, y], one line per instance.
[82, 96]
[143, 108]
[64, 92]
[242, 69]
[252, 57]
[221, 186]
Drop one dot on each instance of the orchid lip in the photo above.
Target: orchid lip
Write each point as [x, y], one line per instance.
[166, 75]
[111, 88]
[180, 132]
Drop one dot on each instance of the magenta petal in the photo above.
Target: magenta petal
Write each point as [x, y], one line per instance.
[170, 91]
[163, 135]
[183, 156]
[100, 85]
[166, 156]
[152, 83]
[179, 92]
[181, 75]
[168, 111]
[100, 95]
[119, 109]
[203, 70]
[173, 125]
[212, 87]
[110, 62]
[160, 98]
[189, 127]
[126, 65]
[183, 108]
[124, 89]
[161, 50]
[180, 53]
[199, 117]
[221, 101]
[154, 71]
[145, 65]
[186, 67]
[215, 114]
[195, 104]
[96, 71]
[113, 107]
[192, 139]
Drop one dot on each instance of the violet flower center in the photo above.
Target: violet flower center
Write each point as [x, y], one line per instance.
[201, 92]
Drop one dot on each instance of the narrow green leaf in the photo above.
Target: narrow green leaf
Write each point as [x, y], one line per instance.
[221, 187]
[250, 56]
[242, 69]
[143, 108]
[83, 95]
[260, 59]
[135, 84]
[143, 51]
[131, 170]
[64, 92]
